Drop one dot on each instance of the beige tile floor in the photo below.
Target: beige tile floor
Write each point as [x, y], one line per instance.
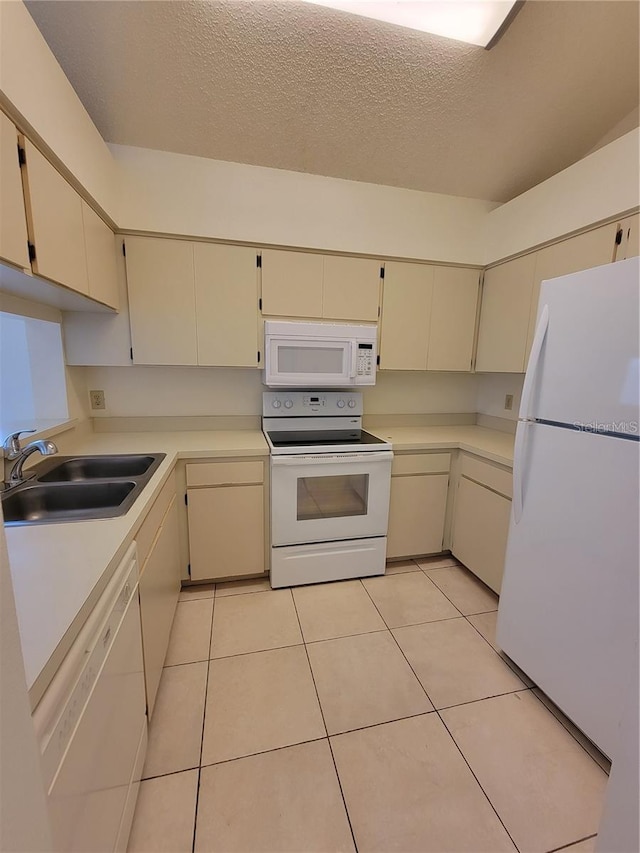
[375, 715]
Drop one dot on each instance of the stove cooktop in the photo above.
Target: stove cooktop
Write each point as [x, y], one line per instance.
[325, 442]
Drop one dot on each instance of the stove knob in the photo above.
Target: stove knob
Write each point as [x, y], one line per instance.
[340, 404]
[288, 404]
[352, 404]
[276, 404]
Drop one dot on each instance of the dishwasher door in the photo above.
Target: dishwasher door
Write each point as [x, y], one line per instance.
[97, 722]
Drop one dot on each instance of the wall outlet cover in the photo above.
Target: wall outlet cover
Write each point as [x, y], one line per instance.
[508, 402]
[97, 399]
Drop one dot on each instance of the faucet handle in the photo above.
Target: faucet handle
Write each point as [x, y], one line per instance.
[11, 444]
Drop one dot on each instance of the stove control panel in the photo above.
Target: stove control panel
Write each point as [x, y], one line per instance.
[301, 403]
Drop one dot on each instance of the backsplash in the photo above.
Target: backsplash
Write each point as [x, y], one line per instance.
[190, 391]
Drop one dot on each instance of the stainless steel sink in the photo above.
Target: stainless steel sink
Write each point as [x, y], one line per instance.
[75, 488]
[68, 501]
[78, 468]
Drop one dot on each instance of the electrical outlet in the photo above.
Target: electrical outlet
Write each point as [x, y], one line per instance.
[508, 402]
[97, 399]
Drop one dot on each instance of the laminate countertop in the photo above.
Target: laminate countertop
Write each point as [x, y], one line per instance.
[60, 570]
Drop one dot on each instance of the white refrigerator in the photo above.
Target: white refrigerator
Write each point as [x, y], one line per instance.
[568, 613]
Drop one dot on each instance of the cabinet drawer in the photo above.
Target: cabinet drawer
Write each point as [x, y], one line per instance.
[482, 472]
[149, 527]
[225, 473]
[421, 463]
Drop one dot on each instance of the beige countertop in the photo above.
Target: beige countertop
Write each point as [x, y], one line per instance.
[489, 443]
[60, 570]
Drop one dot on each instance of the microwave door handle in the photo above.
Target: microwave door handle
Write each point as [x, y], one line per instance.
[354, 356]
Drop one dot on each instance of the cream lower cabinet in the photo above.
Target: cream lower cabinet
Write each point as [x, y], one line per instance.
[481, 519]
[13, 222]
[417, 509]
[428, 317]
[226, 518]
[159, 557]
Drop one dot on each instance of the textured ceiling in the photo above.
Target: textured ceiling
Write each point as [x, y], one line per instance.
[302, 87]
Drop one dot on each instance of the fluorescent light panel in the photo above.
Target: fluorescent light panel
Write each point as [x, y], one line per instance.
[472, 21]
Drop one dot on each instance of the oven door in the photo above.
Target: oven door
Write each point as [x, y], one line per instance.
[312, 363]
[328, 497]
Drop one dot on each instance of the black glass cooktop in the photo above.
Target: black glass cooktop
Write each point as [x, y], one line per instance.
[323, 438]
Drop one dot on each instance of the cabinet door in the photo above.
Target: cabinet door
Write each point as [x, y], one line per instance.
[416, 515]
[480, 528]
[100, 244]
[630, 245]
[453, 318]
[504, 316]
[591, 249]
[226, 531]
[291, 284]
[351, 288]
[226, 282]
[13, 223]
[406, 316]
[159, 590]
[55, 211]
[162, 301]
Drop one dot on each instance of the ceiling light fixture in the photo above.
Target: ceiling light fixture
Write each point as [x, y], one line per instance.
[480, 22]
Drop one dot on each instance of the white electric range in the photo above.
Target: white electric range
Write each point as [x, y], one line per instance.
[330, 487]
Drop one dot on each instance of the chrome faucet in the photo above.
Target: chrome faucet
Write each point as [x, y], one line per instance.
[13, 451]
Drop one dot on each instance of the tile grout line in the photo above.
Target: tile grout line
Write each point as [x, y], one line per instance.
[324, 723]
[464, 758]
[447, 729]
[204, 718]
[571, 843]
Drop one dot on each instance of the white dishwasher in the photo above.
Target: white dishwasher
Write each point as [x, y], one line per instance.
[91, 724]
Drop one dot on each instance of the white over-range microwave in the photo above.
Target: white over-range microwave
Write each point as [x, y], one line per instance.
[318, 355]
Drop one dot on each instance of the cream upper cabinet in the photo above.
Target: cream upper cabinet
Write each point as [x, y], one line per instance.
[351, 288]
[591, 249]
[226, 288]
[504, 316]
[291, 283]
[55, 212]
[406, 316]
[13, 223]
[162, 302]
[629, 246]
[102, 270]
[454, 309]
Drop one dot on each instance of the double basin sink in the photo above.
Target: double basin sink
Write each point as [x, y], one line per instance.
[74, 488]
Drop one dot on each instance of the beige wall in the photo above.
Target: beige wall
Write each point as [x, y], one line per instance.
[158, 391]
[491, 389]
[602, 185]
[181, 194]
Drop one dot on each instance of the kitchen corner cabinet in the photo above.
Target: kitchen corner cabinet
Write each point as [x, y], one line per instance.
[481, 519]
[159, 585]
[504, 316]
[54, 211]
[13, 222]
[324, 287]
[226, 518]
[417, 509]
[428, 317]
[101, 247]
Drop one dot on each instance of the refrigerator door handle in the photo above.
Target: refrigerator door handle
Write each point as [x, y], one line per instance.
[534, 360]
[518, 474]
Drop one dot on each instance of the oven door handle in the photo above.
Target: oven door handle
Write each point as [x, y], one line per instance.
[333, 458]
